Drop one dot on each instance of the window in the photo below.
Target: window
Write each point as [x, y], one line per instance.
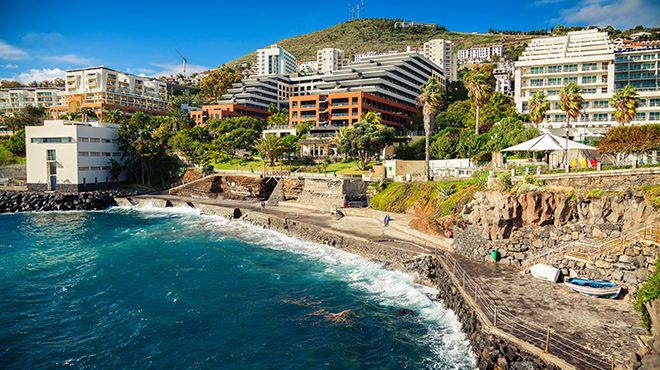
[601, 104]
[554, 69]
[568, 80]
[105, 168]
[107, 154]
[94, 154]
[589, 66]
[537, 70]
[648, 56]
[554, 81]
[536, 82]
[94, 140]
[654, 102]
[83, 139]
[560, 118]
[95, 168]
[83, 168]
[600, 117]
[105, 140]
[83, 154]
[50, 155]
[41, 140]
[640, 116]
[570, 68]
[589, 91]
[588, 79]
[553, 92]
[654, 116]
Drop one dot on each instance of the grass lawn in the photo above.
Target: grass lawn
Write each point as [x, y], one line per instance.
[256, 165]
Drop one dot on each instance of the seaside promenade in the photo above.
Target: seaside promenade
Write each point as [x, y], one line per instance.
[607, 327]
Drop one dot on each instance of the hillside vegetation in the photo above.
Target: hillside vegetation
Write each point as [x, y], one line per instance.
[364, 35]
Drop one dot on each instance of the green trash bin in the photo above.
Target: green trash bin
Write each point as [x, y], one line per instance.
[493, 254]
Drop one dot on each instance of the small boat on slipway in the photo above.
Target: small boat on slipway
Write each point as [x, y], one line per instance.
[594, 288]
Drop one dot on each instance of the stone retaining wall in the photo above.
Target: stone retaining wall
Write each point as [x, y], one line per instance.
[616, 180]
[228, 187]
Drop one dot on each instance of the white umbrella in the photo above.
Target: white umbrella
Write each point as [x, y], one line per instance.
[547, 141]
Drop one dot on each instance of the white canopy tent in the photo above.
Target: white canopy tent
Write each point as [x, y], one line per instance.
[548, 142]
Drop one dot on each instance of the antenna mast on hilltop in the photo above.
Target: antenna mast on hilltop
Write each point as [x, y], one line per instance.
[362, 8]
[185, 61]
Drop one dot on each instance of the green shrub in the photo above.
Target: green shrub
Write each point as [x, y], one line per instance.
[527, 187]
[595, 193]
[647, 293]
[504, 181]
[652, 195]
[534, 180]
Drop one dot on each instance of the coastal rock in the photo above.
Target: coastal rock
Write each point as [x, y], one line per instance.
[25, 201]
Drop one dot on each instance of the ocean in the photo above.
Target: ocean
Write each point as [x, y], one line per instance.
[172, 289]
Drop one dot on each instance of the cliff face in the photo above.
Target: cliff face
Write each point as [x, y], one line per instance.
[498, 214]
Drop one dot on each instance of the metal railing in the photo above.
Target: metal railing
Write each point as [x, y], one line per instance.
[498, 316]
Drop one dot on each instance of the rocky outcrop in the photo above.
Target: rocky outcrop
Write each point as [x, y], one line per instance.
[24, 201]
[492, 352]
[292, 188]
[228, 187]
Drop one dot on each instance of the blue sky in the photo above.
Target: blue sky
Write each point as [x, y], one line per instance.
[39, 42]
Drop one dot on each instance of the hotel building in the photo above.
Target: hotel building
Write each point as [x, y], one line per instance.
[222, 111]
[329, 60]
[588, 59]
[15, 99]
[71, 156]
[441, 52]
[103, 89]
[275, 60]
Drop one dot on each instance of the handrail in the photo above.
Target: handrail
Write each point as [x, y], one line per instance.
[500, 317]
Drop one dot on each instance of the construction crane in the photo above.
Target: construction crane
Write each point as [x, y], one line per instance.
[185, 61]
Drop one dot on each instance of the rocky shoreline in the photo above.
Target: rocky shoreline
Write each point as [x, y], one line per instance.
[28, 201]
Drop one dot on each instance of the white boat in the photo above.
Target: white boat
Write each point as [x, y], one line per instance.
[545, 272]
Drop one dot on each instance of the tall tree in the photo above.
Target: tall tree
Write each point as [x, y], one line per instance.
[480, 84]
[570, 101]
[625, 103]
[538, 106]
[216, 83]
[431, 98]
[372, 117]
[114, 116]
[363, 140]
[87, 113]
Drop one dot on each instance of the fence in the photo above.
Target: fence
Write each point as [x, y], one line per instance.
[501, 318]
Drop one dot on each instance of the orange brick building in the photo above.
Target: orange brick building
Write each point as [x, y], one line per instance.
[222, 111]
[346, 108]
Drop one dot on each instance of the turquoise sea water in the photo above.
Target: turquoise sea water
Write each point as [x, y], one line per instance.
[137, 289]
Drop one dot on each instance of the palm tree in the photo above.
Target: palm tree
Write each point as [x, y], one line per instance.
[480, 84]
[87, 113]
[431, 98]
[570, 101]
[270, 146]
[625, 103]
[538, 105]
[372, 117]
[114, 116]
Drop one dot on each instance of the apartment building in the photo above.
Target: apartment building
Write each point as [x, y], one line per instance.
[388, 84]
[103, 89]
[441, 52]
[275, 60]
[589, 59]
[222, 111]
[329, 60]
[259, 92]
[504, 78]
[69, 156]
[307, 68]
[480, 54]
[15, 99]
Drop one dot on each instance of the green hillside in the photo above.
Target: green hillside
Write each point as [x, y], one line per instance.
[364, 35]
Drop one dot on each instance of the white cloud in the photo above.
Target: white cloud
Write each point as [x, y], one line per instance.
[618, 13]
[42, 37]
[174, 69]
[69, 59]
[546, 2]
[11, 52]
[40, 75]
[9, 66]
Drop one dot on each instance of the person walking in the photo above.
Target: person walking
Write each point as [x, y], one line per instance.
[386, 221]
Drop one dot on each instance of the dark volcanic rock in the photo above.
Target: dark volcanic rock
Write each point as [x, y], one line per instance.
[25, 201]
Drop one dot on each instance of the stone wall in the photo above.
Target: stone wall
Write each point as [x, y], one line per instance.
[492, 351]
[328, 193]
[630, 266]
[228, 187]
[620, 180]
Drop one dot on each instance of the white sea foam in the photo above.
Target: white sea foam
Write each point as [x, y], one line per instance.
[388, 288]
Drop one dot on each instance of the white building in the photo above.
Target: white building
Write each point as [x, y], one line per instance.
[330, 59]
[307, 68]
[71, 156]
[441, 52]
[480, 54]
[504, 78]
[275, 60]
[548, 64]
[14, 99]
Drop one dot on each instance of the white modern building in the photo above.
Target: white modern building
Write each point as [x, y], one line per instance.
[441, 52]
[480, 54]
[330, 59]
[307, 68]
[14, 99]
[504, 78]
[589, 59]
[275, 60]
[69, 156]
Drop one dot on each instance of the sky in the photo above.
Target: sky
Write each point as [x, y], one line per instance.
[40, 42]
